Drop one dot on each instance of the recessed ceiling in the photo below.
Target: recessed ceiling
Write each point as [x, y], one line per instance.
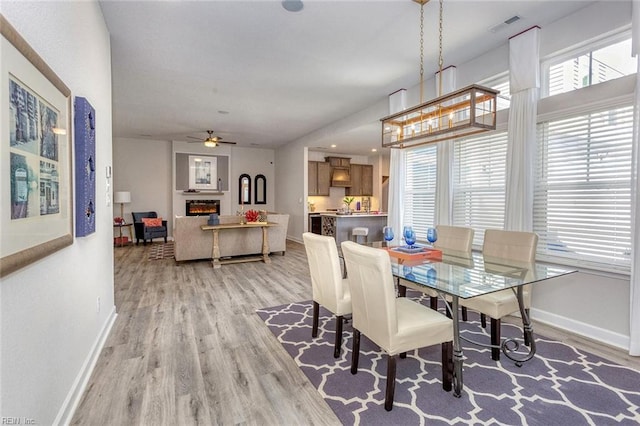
[262, 76]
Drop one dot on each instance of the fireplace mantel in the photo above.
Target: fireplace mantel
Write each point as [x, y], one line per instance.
[202, 193]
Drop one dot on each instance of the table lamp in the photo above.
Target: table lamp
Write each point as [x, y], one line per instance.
[122, 197]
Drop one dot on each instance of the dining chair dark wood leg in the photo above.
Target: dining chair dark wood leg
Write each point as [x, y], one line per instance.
[338, 344]
[402, 290]
[391, 382]
[433, 303]
[463, 311]
[483, 320]
[355, 353]
[403, 355]
[316, 312]
[495, 339]
[447, 366]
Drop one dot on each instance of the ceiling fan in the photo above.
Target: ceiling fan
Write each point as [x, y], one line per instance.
[211, 141]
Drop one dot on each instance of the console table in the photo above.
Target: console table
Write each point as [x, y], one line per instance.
[215, 249]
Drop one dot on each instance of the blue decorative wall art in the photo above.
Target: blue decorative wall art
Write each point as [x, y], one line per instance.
[85, 146]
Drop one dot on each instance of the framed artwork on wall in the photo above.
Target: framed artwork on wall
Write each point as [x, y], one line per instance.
[35, 153]
[203, 172]
[84, 130]
[260, 189]
[244, 189]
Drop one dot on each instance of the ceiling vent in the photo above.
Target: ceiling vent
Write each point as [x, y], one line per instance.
[502, 25]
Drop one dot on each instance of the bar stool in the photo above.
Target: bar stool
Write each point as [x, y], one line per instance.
[359, 231]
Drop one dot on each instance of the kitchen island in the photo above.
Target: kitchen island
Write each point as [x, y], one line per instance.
[339, 226]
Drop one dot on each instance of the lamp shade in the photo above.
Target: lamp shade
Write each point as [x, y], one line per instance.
[122, 197]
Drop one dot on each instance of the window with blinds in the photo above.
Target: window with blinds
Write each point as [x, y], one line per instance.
[420, 190]
[502, 84]
[582, 197]
[479, 183]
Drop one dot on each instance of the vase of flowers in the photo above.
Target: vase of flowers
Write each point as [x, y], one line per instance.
[347, 202]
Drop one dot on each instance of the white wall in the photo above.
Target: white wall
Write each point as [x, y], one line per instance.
[143, 168]
[253, 161]
[49, 324]
[291, 181]
[593, 305]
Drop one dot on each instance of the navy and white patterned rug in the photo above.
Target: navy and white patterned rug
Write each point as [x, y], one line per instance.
[559, 386]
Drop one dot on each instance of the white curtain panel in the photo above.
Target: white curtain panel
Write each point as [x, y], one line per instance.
[444, 189]
[524, 71]
[449, 76]
[634, 311]
[397, 180]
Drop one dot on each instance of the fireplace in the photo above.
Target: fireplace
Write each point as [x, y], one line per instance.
[202, 207]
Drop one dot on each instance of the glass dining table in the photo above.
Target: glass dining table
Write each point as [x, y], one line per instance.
[460, 275]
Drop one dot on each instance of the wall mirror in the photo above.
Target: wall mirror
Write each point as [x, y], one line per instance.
[244, 189]
[260, 189]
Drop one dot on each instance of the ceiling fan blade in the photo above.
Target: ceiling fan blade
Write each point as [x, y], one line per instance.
[193, 137]
[230, 143]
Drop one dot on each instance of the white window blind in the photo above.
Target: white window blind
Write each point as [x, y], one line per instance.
[582, 198]
[502, 84]
[420, 191]
[479, 183]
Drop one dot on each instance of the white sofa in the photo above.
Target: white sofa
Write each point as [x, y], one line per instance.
[191, 242]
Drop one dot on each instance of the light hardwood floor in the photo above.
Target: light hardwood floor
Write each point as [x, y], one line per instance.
[188, 348]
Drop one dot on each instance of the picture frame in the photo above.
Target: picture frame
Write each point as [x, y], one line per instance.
[203, 172]
[35, 153]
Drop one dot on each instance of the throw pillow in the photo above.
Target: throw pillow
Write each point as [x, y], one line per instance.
[152, 221]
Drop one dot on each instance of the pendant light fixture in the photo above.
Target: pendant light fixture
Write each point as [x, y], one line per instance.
[460, 113]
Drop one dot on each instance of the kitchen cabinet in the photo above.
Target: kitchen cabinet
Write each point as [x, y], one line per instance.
[361, 180]
[319, 178]
[338, 161]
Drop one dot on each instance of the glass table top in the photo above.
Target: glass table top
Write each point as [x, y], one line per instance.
[468, 275]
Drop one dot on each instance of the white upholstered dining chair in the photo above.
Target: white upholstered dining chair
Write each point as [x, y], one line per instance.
[397, 325]
[328, 286]
[458, 238]
[511, 246]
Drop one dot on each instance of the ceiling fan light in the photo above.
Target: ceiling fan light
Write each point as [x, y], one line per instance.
[210, 143]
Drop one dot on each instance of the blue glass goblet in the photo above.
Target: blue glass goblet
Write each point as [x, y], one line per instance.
[407, 271]
[432, 235]
[410, 238]
[387, 231]
[406, 230]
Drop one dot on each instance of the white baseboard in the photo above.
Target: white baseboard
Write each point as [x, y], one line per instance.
[68, 409]
[586, 330]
